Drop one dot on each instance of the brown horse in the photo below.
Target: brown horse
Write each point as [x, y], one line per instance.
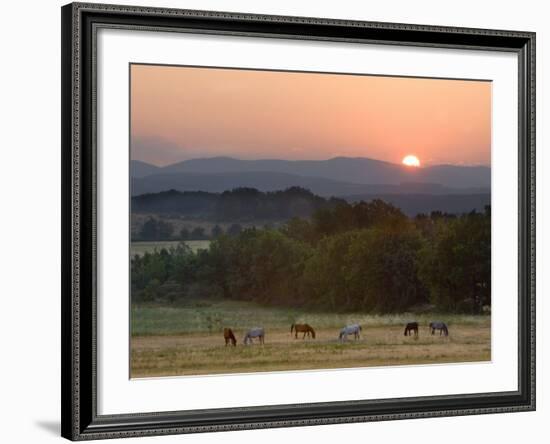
[306, 329]
[229, 337]
[411, 327]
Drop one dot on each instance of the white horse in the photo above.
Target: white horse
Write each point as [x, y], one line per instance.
[257, 332]
[354, 329]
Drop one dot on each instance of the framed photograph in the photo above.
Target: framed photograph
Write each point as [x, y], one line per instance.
[275, 221]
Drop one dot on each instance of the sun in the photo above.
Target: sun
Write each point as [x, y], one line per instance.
[411, 161]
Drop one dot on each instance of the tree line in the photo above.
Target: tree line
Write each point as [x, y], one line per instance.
[366, 256]
[239, 204]
[157, 229]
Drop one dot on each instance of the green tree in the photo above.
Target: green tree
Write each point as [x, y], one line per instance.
[156, 229]
[456, 265]
[198, 234]
[383, 268]
[325, 277]
[300, 230]
[216, 231]
[260, 265]
[234, 230]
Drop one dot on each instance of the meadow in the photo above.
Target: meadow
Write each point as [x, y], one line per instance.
[187, 339]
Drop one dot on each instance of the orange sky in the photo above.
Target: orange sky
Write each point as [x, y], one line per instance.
[179, 113]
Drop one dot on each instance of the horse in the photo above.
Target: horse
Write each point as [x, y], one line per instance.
[229, 337]
[306, 329]
[350, 330]
[441, 326]
[411, 327]
[257, 332]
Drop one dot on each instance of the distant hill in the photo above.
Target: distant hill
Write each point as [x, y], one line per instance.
[269, 181]
[413, 204]
[248, 204]
[241, 204]
[142, 169]
[357, 170]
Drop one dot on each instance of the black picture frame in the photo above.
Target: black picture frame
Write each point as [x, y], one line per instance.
[80, 420]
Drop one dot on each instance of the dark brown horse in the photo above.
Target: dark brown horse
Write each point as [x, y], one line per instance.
[229, 337]
[411, 327]
[306, 329]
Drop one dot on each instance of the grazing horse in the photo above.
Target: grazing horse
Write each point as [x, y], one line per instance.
[354, 330]
[411, 327]
[306, 329]
[257, 332]
[441, 326]
[229, 337]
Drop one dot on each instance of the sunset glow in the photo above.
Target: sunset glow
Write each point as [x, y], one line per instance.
[411, 161]
[180, 113]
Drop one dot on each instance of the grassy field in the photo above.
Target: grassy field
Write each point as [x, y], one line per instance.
[188, 340]
[141, 247]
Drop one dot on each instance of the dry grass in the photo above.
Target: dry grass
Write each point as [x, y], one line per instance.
[205, 353]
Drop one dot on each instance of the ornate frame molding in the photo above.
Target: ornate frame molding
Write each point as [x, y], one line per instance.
[80, 22]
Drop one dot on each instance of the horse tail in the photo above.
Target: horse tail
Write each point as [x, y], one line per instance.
[406, 328]
[446, 330]
[312, 332]
[291, 328]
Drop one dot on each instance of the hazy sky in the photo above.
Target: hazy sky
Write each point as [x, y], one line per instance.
[180, 113]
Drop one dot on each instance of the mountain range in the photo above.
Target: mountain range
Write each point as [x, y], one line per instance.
[340, 176]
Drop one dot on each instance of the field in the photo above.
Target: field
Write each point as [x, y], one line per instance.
[141, 247]
[188, 340]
